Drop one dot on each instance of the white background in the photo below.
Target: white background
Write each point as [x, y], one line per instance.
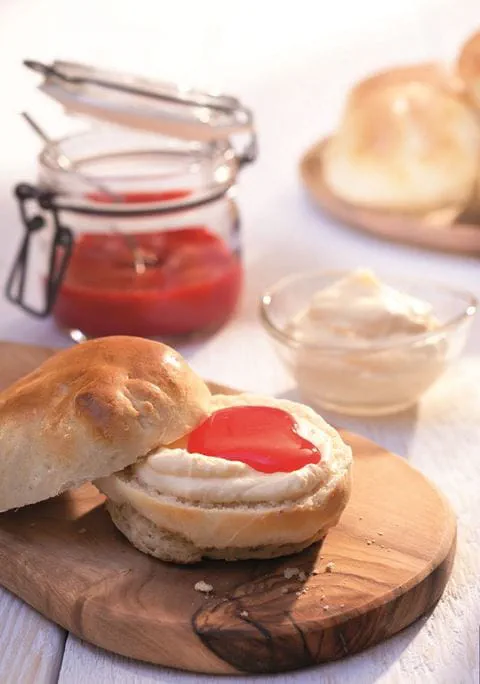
[292, 63]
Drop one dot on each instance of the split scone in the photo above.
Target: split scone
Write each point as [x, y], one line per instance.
[259, 478]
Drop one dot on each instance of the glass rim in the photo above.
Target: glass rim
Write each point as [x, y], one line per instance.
[201, 153]
[468, 311]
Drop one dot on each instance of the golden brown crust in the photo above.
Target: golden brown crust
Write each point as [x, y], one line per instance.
[91, 410]
[431, 73]
[468, 67]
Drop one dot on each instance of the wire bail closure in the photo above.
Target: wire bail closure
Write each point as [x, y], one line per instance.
[60, 251]
[87, 90]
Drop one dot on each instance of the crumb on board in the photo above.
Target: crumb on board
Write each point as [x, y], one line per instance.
[288, 573]
[330, 567]
[342, 605]
[244, 613]
[203, 587]
[326, 607]
[33, 524]
[285, 590]
[302, 576]
[380, 534]
[82, 531]
[315, 572]
[368, 542]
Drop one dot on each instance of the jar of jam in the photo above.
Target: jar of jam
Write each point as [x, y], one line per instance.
[132, 227]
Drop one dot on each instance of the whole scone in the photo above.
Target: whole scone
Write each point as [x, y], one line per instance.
[407, 142]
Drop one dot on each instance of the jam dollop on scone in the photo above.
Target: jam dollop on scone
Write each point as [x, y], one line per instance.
[258, 478]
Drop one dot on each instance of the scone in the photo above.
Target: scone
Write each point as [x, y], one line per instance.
[407, 142]
[91, 410]
[195, 476]
[181, 505]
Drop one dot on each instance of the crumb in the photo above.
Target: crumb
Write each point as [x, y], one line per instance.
[380, 534]
[360, 517]
[302, 576]
[285, 590]
[32, 524]
[342, 605]
[330, 567]
[244, 613]
[315, 572]
[368, 542]
[288, 573]
[326, 607]
[301, 592]
[82, 531]
[203, 586]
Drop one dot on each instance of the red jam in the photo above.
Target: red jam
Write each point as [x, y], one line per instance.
[191, 283]
[263, 437]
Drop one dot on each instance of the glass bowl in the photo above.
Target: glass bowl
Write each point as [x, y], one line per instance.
[381, 376]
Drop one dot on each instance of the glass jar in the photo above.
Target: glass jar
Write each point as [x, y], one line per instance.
[134, 232]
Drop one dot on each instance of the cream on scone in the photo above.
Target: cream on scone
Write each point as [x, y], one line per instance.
[182, 506]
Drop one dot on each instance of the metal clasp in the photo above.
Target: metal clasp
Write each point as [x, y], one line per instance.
[59, 256]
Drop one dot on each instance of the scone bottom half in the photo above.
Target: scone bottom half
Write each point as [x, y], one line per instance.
[184, 530]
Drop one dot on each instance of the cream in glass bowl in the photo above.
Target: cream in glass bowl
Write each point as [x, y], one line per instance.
[363, 346]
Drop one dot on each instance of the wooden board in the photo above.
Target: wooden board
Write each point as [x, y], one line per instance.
[444, 230]
[392, 552]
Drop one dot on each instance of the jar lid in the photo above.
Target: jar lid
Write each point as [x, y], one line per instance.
[141, 103]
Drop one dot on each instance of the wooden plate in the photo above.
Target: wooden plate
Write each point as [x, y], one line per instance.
[443, 230]
[392, 554]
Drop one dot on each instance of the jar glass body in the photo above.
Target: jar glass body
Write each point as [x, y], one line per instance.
[156, 233]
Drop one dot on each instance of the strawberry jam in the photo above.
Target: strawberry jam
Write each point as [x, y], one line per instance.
[263, 437]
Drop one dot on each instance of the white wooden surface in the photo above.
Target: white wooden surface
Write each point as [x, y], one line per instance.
[292, 63]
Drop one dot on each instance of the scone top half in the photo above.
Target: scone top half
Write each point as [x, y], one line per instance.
[92, 410]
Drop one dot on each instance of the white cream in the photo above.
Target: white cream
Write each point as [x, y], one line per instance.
[361, 352]
[206, 479]
[360, 308]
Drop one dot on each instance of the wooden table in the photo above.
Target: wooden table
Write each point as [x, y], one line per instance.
[292, 66]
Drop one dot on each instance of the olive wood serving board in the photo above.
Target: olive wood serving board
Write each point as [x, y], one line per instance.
[392, 553]
[444, 229]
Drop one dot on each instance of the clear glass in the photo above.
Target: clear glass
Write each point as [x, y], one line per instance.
[382, 377]
[156, 229]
